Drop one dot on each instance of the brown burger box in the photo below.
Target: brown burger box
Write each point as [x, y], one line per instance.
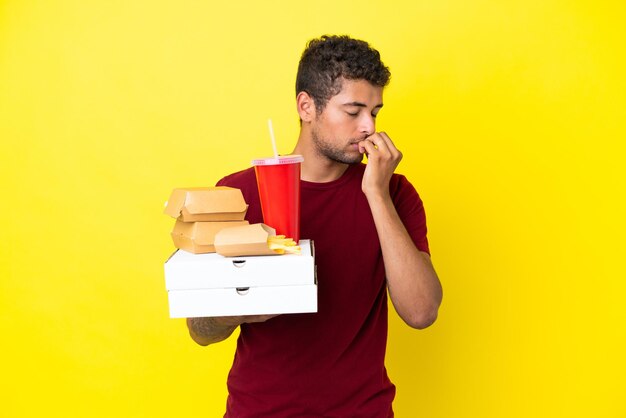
[203, 204]
[198, 237]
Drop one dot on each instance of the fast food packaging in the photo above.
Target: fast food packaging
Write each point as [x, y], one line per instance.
[244, 240]
[204, 285]
[198, 237]
[202, 204]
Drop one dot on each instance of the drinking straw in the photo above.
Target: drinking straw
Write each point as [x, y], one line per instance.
[269, 123]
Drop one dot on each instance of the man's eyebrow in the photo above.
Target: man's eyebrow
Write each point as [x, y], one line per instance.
[359, 104]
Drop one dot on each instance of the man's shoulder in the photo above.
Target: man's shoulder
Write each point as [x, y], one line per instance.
[244, 180]
[401, 188]
[240, 179]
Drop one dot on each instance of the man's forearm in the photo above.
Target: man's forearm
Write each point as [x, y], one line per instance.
[205, 331]
[413, 285]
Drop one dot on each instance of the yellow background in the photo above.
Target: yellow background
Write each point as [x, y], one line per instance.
[511, 116]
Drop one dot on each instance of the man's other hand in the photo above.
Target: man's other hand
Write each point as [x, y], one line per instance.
[382, 159]
[205, 331]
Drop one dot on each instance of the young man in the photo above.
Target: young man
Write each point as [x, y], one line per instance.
[369, 229]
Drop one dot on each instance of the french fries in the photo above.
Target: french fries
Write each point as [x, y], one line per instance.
[281, 245]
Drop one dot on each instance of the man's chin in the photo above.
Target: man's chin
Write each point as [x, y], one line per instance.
[344, 157]
[352, 159]
[357, 159]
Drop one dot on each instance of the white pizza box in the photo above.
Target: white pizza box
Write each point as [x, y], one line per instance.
[262, 300]
[184, 270]
[214, 285]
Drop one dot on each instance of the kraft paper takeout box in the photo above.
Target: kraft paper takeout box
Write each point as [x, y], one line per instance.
[244, 240]
[212, 285]
[198, 237]
[203, 204]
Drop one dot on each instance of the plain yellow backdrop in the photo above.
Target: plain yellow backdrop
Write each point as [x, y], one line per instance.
[511, 116]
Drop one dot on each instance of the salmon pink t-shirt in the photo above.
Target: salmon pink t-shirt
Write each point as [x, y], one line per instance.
[329, 363]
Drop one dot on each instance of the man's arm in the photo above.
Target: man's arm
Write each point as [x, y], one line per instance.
[414, 287]
[205, 331]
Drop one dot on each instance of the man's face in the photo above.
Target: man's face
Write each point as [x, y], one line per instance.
[348, 118]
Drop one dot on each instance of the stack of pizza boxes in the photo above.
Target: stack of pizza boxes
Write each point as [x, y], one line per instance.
[229, 267]
[201, 212]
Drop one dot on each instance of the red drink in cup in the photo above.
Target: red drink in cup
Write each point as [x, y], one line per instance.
[278, 180]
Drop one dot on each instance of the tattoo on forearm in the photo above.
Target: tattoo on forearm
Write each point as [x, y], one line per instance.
[209, 328]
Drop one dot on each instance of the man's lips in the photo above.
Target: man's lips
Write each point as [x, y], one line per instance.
[355, 145]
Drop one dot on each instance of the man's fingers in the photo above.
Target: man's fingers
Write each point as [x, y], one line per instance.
[368, 147]
[388, 142]
[380, 146]
[385, 144]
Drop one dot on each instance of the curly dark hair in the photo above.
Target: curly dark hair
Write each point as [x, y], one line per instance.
[325, 61]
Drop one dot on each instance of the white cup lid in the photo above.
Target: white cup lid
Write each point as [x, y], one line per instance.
[282, 159]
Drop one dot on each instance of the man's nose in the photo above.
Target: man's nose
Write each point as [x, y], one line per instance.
[367, 124]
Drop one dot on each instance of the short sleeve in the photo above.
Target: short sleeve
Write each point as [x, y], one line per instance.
[411, 210]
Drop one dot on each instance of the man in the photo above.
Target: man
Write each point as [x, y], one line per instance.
[369, 229]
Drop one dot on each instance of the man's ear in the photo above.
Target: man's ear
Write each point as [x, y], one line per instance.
[306, 106]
